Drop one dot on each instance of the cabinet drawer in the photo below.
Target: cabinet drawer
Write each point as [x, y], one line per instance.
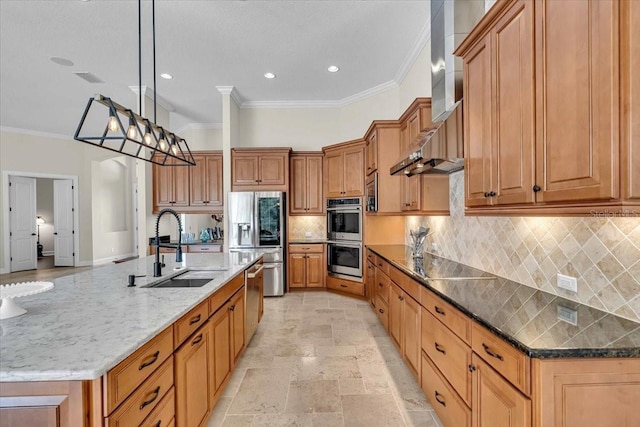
[164, 412]
[371, 257]
[137, 407]
[449, 353]
[131, 372]
[383, 285]
[382, 311]
[306, 249]
[223, 294]
[190, 322]
[447, 404]
[447, 314]
[354, 288]
[407, 284]
[382, 265]
[511, 363]
[204, 248]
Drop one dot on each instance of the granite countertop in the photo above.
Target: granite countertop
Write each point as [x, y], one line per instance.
[91, 321]
[526, 317]
[195, 242]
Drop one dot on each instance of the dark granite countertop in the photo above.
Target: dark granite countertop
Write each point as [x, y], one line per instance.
[528, 318]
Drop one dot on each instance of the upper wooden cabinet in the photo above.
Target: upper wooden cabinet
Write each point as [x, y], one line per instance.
[305, 188]
[544, 129]
[260, 169]
[630, 89]
[344, 169]
[371, 152]
[170, 186]
[383, 150]
[205, 181]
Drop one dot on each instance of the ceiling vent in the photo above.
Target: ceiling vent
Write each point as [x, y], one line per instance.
[85, 75]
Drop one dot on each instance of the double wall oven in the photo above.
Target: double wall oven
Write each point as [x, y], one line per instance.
[344, 233]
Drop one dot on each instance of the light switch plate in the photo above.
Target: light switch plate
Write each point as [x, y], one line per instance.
[567, 282]
[568, 315]
[308, 234]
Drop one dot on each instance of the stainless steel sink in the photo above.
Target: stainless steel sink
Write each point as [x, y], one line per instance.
[185, 280]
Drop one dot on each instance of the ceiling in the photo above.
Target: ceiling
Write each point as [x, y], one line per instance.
[203, 44]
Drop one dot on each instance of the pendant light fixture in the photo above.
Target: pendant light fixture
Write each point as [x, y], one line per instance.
[156, 144]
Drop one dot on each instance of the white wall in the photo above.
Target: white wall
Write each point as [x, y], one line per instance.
[417, 82]
[203, 139]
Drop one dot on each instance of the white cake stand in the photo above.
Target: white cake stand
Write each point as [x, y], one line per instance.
[16, 290]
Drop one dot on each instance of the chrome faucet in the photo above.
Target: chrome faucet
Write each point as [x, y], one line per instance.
[157, 265]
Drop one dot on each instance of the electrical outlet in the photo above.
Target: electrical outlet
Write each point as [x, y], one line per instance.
[308, 234]
[568, 315]
[567, 282]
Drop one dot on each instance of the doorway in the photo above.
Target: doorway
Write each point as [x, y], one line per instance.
[41, 211]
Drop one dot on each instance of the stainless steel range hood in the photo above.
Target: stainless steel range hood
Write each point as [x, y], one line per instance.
[440, 149]
[437, 150]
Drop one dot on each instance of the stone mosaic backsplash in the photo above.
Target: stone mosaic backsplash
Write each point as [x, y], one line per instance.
[603, 253]
[299, 225]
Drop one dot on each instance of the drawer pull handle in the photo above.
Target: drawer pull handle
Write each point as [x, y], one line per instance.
[232, 308]
[197, 340]
[400, 298]
[196, 319]
[305, 249]
[379, 265]
[150, 362]
[156, 393]
[439, 310]
[440, 399]
[381, 310]
[380, 284]
[343, 286]
[492, 353]
[472, 368]
[159, 423]
[440, 349]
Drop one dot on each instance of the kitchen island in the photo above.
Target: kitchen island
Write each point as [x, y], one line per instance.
[60, 360]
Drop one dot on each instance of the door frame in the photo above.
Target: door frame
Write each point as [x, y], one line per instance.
[5, 213]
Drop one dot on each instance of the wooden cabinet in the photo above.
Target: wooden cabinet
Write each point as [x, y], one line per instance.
[495, 401]
[396, 312]
[445, 401]
[193, 388]
[205, 181]
[306, 184]
[170, 186]
[370, 283]
[237, 314]
[371, 152]
[548, 95]
[345, 286]
[307, 266]
[411, 336]
[260, 169]
[221, 359]
[630, 90]
[344, 169]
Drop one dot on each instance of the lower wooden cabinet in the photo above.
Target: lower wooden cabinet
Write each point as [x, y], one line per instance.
[447, 404]
[496, 403]
[307, 266]
[193, 388]
[396, 311]
[346, 286]
[411, 336]
[370, 283]
[237, 317]
[221, 351]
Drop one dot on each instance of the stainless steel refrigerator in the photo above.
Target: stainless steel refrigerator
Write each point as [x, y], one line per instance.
[257, 221]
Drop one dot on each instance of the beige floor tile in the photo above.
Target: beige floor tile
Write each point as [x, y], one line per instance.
[282, 420]
[351, 386]
[326, 368]
[327, 420]
[335, 351]
[313, 396]
[315, 331]
[238, 421]
[420, 419]
[262, 391]
[371, 410]
[234, 383]
[219, 412]
[349, 337]
[404, 386]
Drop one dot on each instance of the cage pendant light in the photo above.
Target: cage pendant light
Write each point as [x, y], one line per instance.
[141, 138]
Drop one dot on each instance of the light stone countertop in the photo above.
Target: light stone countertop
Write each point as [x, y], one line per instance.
[91, 321]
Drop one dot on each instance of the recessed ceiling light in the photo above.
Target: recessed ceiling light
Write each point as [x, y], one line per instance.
[333, 69]
[270, 75]
[61, 61]
[166, 76]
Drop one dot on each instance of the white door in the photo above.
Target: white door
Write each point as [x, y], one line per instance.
[63, 252]
[22, 220]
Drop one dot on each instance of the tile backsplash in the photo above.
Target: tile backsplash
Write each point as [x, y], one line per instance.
[299, 225]
[603, 253]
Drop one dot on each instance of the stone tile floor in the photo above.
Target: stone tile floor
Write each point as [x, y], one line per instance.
[321, 359]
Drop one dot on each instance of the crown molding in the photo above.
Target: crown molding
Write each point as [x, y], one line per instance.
[149, 93]
[199, 126]
[231, 90]
[36, 133]
[383, 87]
[423, 38]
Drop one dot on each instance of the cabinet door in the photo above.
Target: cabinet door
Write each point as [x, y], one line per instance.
[354, 172]
[412, 335]
[372, 153]
[512, 55]
[198, 181]
[577, 88]
[180, 185]
[237, 315]
[495, 402]
[334, 174]
[244, 170]
[193, 388]
[478, 119]
[221, 348]
[631, 92]
[297, 270]
[272, 170]
[316, 269]
[213, 181]
[413, 124]
[315, 201]
[371, 283]
[412, 186]
[396, 309]
[298, 187]
[162, 186]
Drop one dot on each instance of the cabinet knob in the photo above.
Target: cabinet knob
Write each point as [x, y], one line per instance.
[536, 188]
[492, 194]
[486, 194]
[472, 368]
